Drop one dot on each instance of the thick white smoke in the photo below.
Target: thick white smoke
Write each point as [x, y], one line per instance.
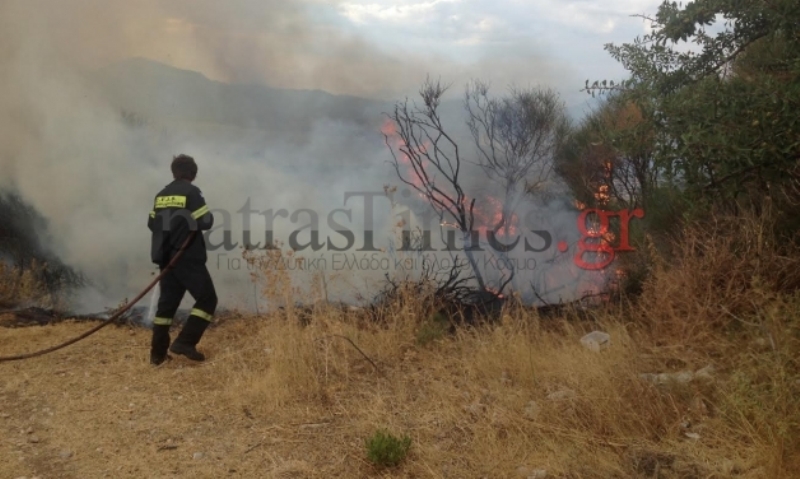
[67, 148]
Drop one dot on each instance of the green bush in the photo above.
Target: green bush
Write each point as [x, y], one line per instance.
[433, 329]
[384, 449]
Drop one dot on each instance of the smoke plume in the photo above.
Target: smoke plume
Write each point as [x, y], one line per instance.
[87, 133]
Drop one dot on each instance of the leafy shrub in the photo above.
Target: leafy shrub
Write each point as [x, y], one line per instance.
[384, 449]
[434, 329]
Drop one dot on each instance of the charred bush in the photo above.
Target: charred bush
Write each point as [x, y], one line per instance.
[475, 307]
[25, 258]
[433, 294]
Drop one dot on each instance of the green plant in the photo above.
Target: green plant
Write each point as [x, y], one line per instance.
[384, 449]
[433, 329]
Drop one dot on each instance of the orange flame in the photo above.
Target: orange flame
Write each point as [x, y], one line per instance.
[390, 130]
[496, 292]
[487, 213]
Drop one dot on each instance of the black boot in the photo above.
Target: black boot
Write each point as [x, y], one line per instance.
[187, 340]
[159, 345]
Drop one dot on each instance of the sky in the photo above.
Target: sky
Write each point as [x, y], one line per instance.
[385, 48]
[370, 48]
[555, 42]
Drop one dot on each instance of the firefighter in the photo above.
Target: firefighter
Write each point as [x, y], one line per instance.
[178, 209]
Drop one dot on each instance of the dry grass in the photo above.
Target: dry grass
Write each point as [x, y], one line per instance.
[26, 286]
[726, 269]
[278, 399]
[281, 397]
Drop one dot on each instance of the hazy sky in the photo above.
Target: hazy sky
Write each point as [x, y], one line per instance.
[374, 48]
[559, 42]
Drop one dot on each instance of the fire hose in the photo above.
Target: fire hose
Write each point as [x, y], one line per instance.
[113, 317]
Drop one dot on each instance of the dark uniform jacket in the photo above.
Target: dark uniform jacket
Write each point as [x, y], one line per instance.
[178, 209]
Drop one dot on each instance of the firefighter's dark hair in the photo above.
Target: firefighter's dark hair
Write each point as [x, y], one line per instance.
[183, 167]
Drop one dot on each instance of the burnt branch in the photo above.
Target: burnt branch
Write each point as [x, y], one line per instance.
[429, 161]
[516, 138]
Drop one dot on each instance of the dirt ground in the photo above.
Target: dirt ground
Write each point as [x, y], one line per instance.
[98, 409]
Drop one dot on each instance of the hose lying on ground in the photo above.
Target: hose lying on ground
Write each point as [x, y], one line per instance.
[113, 317]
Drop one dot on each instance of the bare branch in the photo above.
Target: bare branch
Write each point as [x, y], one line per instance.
[430, 162]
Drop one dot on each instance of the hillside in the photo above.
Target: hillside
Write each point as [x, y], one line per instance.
[164, 93]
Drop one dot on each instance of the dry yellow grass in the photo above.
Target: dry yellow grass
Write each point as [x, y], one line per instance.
[25, 285]
[283, 397]
[279, 399]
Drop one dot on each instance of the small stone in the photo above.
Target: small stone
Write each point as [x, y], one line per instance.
[699, 406]
[197, 456]
[596, 341]
[523, 471]
[475, 408]
[729, 467]
[537, 474]
[650, 377]
[706, 373]
[33, 439]
[692, 435]
[65, 454]
[532, 410]
[5, 416]
[561, 395]
[683, 377]
[319, 425]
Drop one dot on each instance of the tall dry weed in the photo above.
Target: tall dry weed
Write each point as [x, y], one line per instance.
[28, 286]
[715, 275]
[485, 400]
[492, 398]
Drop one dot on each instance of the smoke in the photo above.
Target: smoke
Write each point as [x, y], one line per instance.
[68, 150]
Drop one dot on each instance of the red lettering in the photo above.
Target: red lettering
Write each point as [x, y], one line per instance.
[624, 219]
[601, 247]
